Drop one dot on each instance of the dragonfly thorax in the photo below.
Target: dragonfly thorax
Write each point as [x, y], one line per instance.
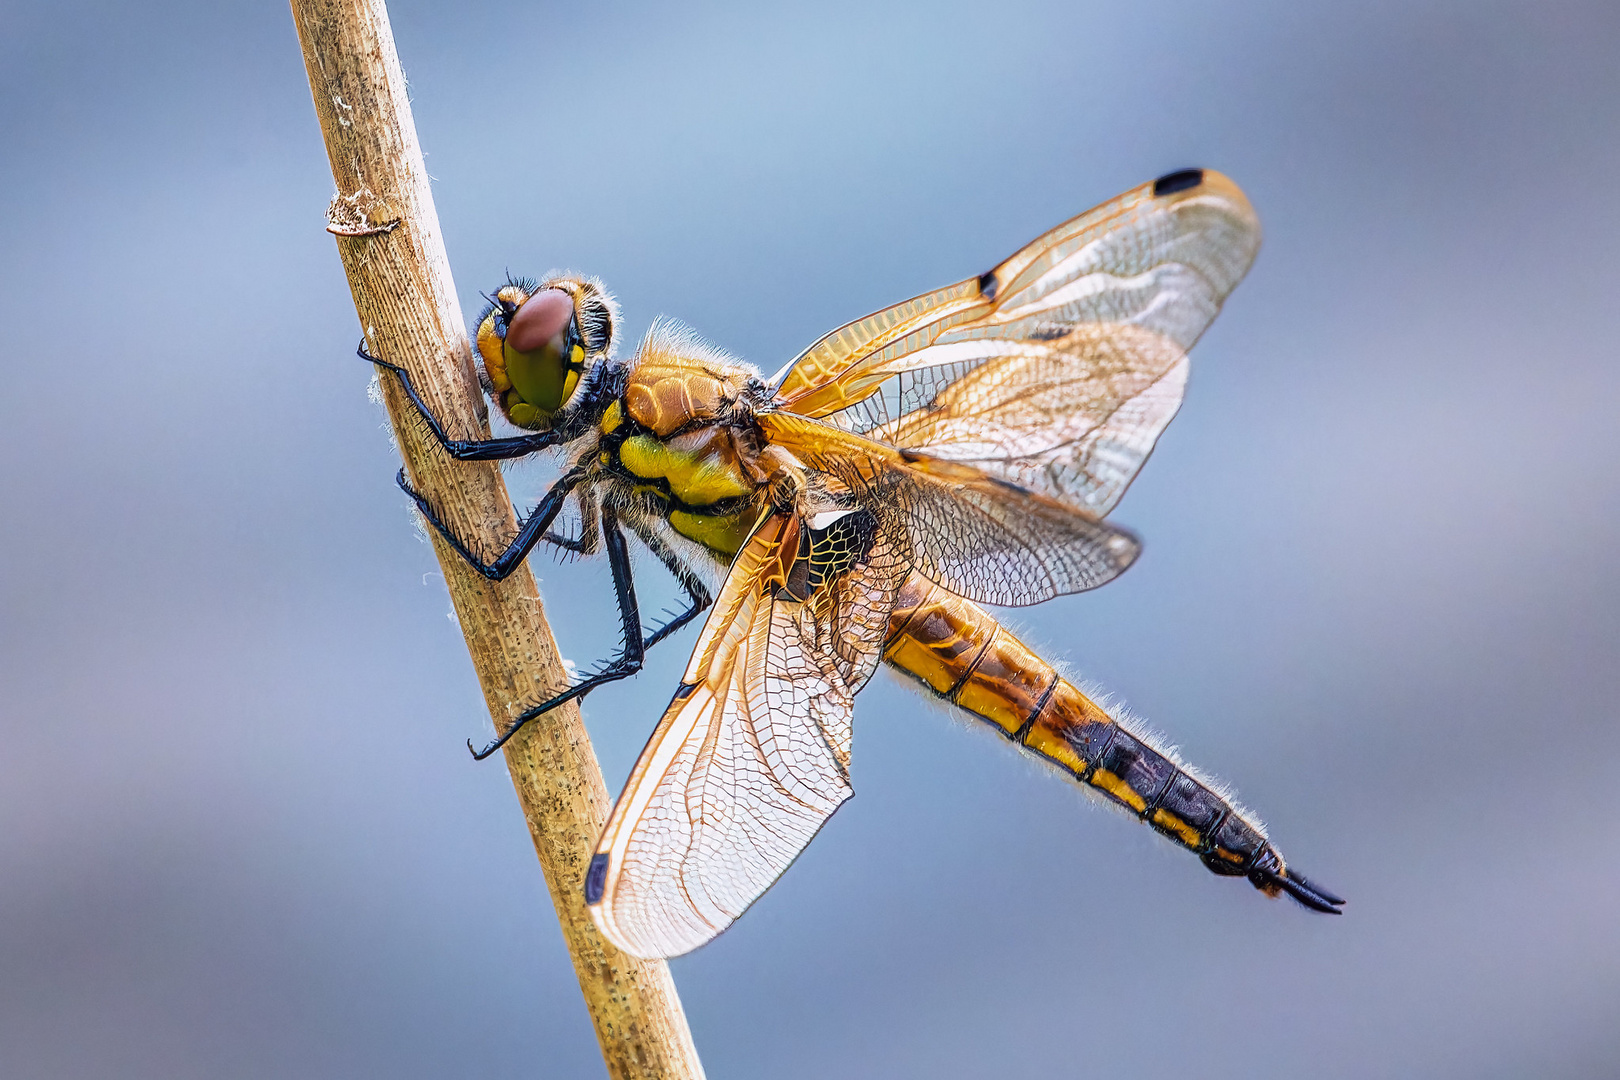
[678, 442]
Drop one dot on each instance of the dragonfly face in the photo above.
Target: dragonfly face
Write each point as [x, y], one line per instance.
[962, 447]
[536, 342]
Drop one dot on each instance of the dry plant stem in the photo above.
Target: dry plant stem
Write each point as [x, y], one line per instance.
[407, 303]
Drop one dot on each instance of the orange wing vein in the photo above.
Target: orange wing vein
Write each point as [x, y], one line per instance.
[979, 536]
[752, 755]
[1057, 370]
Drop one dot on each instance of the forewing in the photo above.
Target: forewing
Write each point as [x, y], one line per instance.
[978, 535]
[752, 755]
[1059, 369]
[827, 376]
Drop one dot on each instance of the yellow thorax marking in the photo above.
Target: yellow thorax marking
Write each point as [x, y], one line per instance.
[695, 478]
[724, 534]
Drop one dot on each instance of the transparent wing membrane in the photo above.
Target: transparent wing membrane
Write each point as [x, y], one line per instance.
[976, 435]
[977, 535]
[752, 756]
[1057, 370]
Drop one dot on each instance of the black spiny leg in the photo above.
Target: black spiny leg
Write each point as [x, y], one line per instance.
[534, 526]
[627, 663]
[695, 590]
[464, 449]
[589, 540]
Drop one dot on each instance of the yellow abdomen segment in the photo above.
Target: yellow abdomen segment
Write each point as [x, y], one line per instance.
[961, 653]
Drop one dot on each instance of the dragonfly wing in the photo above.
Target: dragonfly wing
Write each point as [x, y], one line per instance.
[1073, 418]
[1057, 370]
[979, 536]
[752, 755]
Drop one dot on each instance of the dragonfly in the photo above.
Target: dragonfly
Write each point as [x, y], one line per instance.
[858, 507]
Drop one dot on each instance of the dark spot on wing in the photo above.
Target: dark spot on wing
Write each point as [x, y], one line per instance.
[1180, 180]
[595, 878]
[988, 284]
[838, 548]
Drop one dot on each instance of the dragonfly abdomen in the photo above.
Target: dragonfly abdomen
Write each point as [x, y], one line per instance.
[962, 654]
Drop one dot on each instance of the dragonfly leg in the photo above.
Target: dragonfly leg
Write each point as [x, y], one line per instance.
[576, 545]
[534, 526]
[589, 540]
[630, 657]
[696, 591]
[463, 449]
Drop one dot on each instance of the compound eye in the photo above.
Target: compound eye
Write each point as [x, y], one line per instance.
[543, 317]
[541, 358]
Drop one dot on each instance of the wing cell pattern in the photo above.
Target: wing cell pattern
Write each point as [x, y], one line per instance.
[979, 536]
[977, 434]
[752, 756]
[1063, 365]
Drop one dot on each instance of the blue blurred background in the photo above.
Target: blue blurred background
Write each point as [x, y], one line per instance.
[239, 835]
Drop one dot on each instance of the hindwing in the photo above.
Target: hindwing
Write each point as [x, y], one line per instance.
[752, 755]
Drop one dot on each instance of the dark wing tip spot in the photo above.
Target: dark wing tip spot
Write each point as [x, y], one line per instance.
[595, 878]
[684, 691]
[1180, 180]
[988, 284]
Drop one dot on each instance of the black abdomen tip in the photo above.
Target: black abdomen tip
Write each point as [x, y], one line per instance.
[596, 877]
[1180, 180]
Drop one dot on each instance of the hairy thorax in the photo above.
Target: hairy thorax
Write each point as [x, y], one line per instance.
[679, 443]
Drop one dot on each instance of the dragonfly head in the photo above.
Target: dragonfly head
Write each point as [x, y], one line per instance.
[536, 341]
